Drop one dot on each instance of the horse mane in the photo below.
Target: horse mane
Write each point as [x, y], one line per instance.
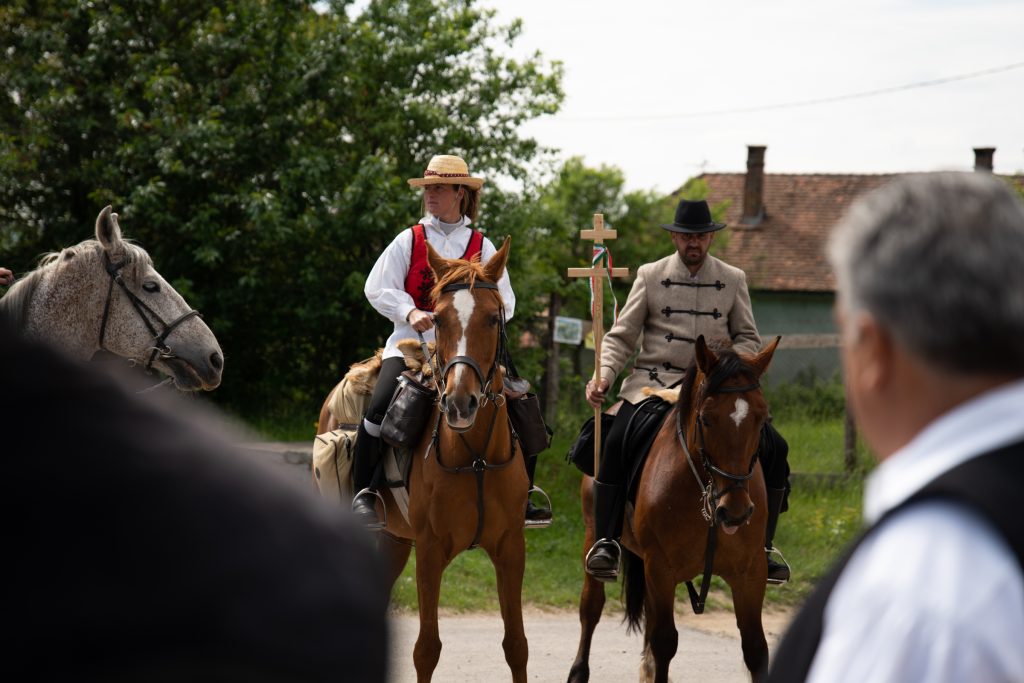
[14, 304]
[729, 365]
[461, 271]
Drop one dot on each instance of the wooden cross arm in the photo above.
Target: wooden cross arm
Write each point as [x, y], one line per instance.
[598, 235]
[600, 271]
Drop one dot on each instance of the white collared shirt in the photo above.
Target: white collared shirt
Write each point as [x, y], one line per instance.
[935, 594]
[385, 285]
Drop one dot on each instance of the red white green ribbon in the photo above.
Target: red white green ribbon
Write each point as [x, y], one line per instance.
[603, 253]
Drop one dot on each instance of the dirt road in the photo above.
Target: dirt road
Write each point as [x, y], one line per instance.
[709, 648]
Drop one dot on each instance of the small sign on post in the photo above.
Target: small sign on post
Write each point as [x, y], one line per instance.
[568, 330]
[597, 274]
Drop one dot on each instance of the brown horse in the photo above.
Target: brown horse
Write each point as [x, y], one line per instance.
[701, 477]
[468, 483]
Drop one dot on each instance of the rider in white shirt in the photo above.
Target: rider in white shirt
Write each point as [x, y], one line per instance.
[398, 287]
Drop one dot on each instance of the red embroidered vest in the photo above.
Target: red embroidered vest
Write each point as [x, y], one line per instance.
[420, 279]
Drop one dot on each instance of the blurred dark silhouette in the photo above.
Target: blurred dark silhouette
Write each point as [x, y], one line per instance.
[143, 546]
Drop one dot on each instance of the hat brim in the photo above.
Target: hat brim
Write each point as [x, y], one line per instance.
[693, 229]
[468, 181]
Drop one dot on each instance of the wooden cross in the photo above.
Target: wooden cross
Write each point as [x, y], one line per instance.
[597, 273]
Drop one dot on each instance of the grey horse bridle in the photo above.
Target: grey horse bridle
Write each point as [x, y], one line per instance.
[160, 347]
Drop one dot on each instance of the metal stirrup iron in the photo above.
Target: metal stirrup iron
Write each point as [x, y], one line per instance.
[539, 523]
[605, 575]
[382, 521]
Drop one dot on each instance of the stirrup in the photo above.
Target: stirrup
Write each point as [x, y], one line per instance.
[382, 521]
[605, 575]
[775, 551]
[539, 523]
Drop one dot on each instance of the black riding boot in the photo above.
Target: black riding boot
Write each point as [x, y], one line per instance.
[365, 459]
[609, 504]
[778, 572]
[534, 513]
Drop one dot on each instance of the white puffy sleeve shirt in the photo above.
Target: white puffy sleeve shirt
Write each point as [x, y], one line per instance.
[385, 285]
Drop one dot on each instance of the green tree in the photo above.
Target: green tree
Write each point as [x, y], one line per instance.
[257, 149]
[547, 218]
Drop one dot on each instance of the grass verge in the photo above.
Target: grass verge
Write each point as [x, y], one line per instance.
[824, 515]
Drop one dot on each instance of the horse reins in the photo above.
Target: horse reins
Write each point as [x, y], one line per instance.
[479, 465]
[160, 348]
[711, 494]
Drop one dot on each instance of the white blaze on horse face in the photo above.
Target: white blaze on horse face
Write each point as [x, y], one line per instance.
[464, 304]
[742, 408]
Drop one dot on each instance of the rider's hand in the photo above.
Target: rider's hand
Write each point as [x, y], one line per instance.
[421, 321]
[596, 391]
[6, 277]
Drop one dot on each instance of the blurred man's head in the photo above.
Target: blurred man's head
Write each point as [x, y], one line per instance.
[930, 295]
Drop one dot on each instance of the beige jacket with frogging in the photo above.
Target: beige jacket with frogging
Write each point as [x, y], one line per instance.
[665, 338]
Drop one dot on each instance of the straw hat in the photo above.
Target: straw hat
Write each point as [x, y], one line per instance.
[445, 169]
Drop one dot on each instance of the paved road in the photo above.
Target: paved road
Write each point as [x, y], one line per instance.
[292, 459]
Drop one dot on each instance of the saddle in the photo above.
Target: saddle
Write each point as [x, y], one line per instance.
[643, 426]
[405, 421]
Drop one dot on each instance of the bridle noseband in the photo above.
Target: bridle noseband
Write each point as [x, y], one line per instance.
[160, 348]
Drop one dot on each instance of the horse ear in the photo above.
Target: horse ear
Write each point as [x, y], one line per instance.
[438, 263]
[764, 357]
[496, 264]
[108, 232]
[704, 356]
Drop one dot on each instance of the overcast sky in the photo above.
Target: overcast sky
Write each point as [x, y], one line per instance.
[638, 76]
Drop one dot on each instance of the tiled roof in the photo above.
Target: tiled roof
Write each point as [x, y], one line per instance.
[786, 251]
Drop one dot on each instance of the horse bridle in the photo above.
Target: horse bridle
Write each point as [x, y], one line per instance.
[485, 382]
[160, 348]
[710, 493]
[479, 464]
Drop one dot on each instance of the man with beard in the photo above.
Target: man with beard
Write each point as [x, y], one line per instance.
[673, 301]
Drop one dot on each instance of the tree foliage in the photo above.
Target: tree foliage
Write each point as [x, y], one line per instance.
[547, 218]
[258, 150]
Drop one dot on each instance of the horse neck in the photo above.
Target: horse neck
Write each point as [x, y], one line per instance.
[64, 310]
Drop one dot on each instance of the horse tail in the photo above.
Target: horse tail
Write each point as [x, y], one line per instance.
[634, 587]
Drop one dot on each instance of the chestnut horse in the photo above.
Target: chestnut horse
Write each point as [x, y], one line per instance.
[468, 482]
[105, 294]
[701, 477]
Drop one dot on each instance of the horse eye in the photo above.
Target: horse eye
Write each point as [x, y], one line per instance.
[151, 286]
[494, 320]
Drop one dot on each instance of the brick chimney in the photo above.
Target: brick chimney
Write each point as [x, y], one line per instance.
[983, 159]
[753, 186]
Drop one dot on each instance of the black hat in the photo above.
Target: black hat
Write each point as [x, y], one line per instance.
[693, 217]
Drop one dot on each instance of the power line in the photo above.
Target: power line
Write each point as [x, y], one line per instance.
[805, 103]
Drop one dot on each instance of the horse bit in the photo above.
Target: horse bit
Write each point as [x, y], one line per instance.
[160, 348]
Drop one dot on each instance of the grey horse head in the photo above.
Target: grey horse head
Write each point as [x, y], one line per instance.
[106, 294]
